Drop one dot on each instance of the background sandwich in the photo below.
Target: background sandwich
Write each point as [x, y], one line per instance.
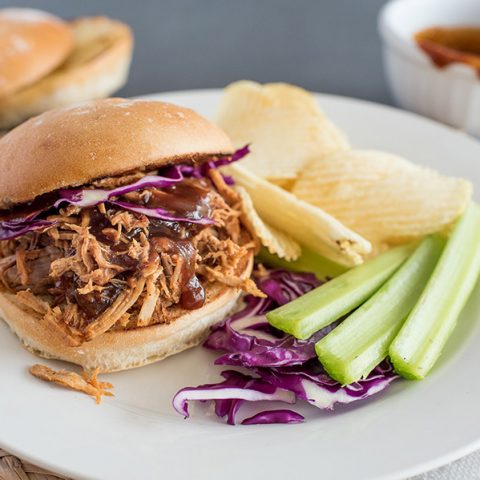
[47, 63]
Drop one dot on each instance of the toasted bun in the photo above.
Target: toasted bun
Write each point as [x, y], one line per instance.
[32, 43]
[75, 145]
[97, 67]
[121, 350]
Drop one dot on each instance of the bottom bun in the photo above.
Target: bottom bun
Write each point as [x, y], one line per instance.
[121, 350]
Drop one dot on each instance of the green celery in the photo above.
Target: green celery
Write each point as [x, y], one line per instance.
[420, 341]
[322, 306]
[361, 341]
[309, 261]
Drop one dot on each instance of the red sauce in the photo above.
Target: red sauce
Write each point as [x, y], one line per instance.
[192, 292]
[39, 203]
[185, 199]
[188, 199]
[447, 45]
[91, 304]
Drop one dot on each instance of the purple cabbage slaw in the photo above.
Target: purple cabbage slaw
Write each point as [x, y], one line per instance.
[248, 338]
[231, 393]
[274, 416]
[20, 226]
[312, 384]
[275, 358]
[90, 197]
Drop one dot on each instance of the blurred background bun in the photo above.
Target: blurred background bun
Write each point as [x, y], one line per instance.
[46, 63]
[32, 43]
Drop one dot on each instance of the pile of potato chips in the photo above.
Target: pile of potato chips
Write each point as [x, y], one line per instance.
[303, 184]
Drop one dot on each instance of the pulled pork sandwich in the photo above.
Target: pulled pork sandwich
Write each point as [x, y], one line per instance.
[120, 241]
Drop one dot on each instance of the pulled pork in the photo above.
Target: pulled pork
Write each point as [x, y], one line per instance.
[84, 383]
[104, 268]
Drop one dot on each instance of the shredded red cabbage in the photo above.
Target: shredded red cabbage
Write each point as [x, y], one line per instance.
[282, 286]
[168, 177]
[257, 345]
[201, 171]
[250, 340]
[91, 197]
[20, 226]
[161, 213]
[236, 388]
[274, 416]
[279, 359]
[228, 408]
[309, 382]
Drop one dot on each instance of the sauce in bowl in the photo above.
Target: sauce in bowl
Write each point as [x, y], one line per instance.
[447, 45]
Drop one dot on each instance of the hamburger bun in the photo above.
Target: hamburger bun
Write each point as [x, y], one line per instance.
[97, 67]
[72, 146]
[32, 44]
[122, 350]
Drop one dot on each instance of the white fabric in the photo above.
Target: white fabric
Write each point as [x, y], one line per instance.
[467, 468]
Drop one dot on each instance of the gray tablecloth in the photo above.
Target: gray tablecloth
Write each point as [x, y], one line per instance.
[467, 468]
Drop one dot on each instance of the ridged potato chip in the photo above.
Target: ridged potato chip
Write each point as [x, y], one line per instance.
[285, 183]
[383, 197]
[283, 124]
[274, 240]
[308, 225]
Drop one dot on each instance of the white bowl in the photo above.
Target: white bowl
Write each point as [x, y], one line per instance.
[450, 94]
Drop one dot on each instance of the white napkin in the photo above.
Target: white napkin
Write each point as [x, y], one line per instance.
[467, 468]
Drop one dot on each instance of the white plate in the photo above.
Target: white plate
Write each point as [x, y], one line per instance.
[411, 428]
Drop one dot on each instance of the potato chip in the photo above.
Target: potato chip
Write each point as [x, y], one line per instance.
[382, 196]
[285, 183]
[283, 124]
[308, 225]
[274, 240]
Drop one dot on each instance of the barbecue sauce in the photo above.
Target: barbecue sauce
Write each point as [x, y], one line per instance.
[192, 292]
[21, 211]
[193, 295]
[91, 304]
[447, 45]
[189, 199]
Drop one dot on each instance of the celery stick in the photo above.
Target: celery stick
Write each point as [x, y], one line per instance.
[421, 339]
[309, 261]
[361, 341]
[327, 303]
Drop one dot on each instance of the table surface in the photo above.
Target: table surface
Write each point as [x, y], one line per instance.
[322, 45]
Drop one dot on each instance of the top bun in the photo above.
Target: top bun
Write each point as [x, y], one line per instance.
[32, 43]
[75, 145]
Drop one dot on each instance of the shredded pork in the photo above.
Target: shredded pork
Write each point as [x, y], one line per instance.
[104, 268]
[85, 383]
